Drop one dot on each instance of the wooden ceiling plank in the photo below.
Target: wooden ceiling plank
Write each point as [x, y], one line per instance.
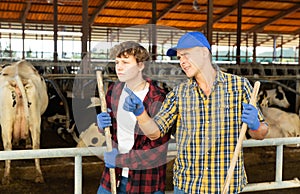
[13, 12]
[167, 10]
[272, 19]
[97, 11]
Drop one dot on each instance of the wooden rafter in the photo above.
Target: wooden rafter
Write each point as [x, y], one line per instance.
[97, 11]
[273, 19]
[168, 9]
[25, 12]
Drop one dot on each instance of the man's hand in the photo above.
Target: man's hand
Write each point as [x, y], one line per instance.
[110, 158]
[249, 116]
[103, 120]
[133, 103]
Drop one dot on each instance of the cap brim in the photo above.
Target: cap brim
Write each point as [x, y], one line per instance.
[172, 52]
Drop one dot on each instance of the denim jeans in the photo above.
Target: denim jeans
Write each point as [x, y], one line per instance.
[121, 189]
[101, 190]
[178, 191]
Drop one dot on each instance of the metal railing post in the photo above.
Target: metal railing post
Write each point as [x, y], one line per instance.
[279, 163]
[78, 175]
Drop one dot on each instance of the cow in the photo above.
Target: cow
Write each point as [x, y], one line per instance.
[91, 137]
[281, 123]
[23, 99]
[276, 97]
[58, 115]
[82, 117]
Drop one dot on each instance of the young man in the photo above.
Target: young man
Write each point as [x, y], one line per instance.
[140, 162]
[208, 110]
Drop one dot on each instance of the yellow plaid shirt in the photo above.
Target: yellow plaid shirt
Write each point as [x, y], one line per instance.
[207, 130]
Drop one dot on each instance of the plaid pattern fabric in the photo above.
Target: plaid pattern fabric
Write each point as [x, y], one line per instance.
[147, 157]
[207, 132]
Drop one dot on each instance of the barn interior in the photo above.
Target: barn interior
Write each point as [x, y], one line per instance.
[69, 40]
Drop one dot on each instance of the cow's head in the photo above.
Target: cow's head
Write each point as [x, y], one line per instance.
[280, 99]
[274, 97]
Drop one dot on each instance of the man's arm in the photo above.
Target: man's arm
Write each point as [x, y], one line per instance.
[148, 126]
[146, 123]
[257, 129]
[260, 133]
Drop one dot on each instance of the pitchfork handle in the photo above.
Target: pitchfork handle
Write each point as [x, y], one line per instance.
[240, 141]
[106, 130]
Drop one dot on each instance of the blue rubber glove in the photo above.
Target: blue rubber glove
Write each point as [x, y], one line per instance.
[249, 116]
[103, 120]
[110, 158]
[133, 103]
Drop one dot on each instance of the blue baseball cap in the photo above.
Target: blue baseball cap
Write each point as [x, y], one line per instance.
[189, 40]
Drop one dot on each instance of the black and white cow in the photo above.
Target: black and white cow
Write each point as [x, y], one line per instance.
[90, 136]
[276, 97]
[281, 123]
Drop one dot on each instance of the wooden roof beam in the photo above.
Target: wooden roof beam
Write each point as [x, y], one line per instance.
[279, 16]
[97, 11]
[167, 10]
[286, 41]
[224, 14]
[266, 40]
[25, 12]
[297, 31]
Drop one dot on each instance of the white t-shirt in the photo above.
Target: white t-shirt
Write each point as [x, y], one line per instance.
[125, 123]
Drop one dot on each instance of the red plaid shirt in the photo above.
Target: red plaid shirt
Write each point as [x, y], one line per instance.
[147, 159]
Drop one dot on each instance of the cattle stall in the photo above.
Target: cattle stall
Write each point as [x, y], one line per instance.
[62, 81]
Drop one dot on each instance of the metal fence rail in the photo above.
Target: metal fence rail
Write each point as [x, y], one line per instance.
[278, 183]
[78, 153]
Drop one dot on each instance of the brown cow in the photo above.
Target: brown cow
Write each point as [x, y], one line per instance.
[23, 99]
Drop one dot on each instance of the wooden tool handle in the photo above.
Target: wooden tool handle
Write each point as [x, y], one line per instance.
[240, 141]
[106, 130]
